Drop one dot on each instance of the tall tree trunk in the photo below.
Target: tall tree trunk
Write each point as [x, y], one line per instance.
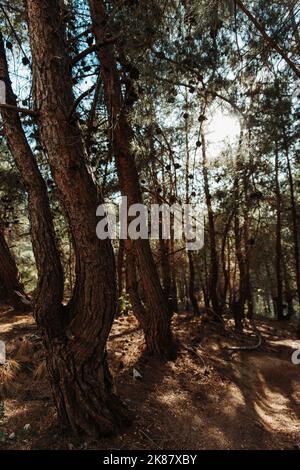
[247, 249]
[292, 187]
[192, 296]
[159, 337]
[240, 235]
[191, 290]
[77, 364]
[166, 271]
[288, 294]
[174, 293]
[225, 262]
[206, 293]
[9, 278]
[214, 265]
[295, 221]
[238, 304]
[132, 286]
[278, 246]
[120, 265]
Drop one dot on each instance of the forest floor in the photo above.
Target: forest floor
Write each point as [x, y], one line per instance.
[210, 397]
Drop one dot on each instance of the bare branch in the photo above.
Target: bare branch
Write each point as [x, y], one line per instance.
[80, 98]
[267, 38]
[27, 111]
[91, 49]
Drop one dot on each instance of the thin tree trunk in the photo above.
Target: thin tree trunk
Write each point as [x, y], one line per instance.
[229, 268]
[214, 266]
[295, 229]
[191, 290]
[132, 286]
[238, 304]
[120, 265]
[278, 247]
[174, 294]
[247, 250]
[9, 276]
[225, 265]
[288, 295]
[292, 189]
[192, 297]
[166, 271]
[206, 281]
[295, 223]
[76, 358]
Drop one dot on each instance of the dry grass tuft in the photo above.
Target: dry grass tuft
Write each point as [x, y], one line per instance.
[25, 352]
[40, 371]
[8, 375]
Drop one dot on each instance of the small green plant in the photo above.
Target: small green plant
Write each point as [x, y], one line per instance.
[124, 304]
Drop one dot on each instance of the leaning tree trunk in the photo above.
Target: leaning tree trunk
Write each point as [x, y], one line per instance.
[159, 337]
[9, 276]
[79, 375]
[49, 292]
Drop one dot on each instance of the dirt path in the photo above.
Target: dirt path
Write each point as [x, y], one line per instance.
[212, 399]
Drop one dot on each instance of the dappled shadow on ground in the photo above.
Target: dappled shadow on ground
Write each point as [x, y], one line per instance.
[208, 398]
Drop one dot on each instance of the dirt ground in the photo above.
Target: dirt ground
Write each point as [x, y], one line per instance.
[211, 397]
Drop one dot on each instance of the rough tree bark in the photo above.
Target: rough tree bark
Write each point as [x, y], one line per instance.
[158, 333]
[80, 378]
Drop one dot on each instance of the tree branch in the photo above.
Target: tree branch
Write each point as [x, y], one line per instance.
[27, 111]
[91, 49]
[267, 38]
[80, 98]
